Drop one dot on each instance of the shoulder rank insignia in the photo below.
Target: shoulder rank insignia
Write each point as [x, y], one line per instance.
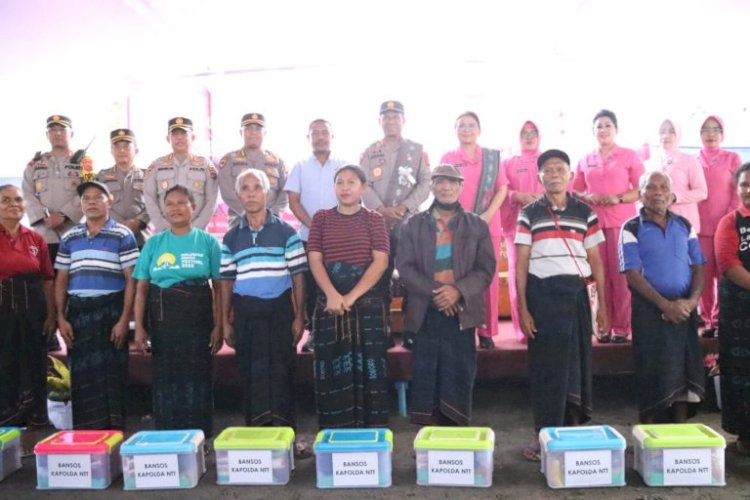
[270, 158]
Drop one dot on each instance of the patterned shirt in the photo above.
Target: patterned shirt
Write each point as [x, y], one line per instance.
[348, 238]
[444, 249]
[95, 262]
[262, 262]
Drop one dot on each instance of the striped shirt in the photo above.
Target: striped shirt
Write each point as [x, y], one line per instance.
[262, 262]
[348, 238]
[95, 263]
[550, 256]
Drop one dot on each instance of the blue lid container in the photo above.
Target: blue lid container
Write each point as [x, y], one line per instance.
[342, 440]
[582, 438]
[186, 441]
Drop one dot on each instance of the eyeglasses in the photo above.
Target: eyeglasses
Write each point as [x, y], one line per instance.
[530, 134]
[466, 126]
[711, 130]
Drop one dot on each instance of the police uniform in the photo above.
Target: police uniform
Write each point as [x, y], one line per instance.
[126, 187]
[236, 162]
[49, 186]
[396, 174]
[196, 173]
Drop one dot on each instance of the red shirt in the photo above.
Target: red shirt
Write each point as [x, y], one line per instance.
[727, 244]
[26, 254]
[348, 238]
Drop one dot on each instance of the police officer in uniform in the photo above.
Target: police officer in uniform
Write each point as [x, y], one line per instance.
[252, 155]
[196, 173]
[50, 181]
[125, 182]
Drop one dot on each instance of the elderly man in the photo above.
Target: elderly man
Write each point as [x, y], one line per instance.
[94, 295]
[663, 263]
[182, 167]
[557, 260]
[125, 182]
[252, 155]
[446, 262]
[263, 289]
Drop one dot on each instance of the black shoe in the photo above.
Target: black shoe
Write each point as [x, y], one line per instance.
[408, 340]
[486, 343]
[709, 333]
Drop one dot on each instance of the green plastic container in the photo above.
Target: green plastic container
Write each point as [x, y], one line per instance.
[10, 451]
[679, 455]
[353, 458]
[455, 456]
[254, 455]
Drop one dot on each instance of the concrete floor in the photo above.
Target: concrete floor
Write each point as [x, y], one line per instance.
[502, 405]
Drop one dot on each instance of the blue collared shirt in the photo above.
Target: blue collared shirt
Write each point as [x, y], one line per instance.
[662, 256]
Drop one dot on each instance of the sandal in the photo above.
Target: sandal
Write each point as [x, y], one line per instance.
[532, 452]
[620, 339]
[302, 449]
[604, 338]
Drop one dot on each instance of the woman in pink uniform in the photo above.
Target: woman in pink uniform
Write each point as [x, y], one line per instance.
[483, 192]
[523, 188]
[607, 179]
[719, 167]
[688, 182]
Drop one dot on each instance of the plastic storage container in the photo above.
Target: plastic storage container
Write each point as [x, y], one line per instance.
[254, 455]
[679, 455]
[454, 456]
[78, 460]
[353, 458]
[10, 449]
[582, 457]
[154, 460]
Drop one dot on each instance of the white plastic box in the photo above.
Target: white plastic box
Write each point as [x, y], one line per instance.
[155, 460]
[78, 460]
[582, 457]
[353, 458]
[679, 455]
[10, 449]
[455, 456]
[254, 455]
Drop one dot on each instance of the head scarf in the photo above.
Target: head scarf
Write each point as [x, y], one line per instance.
[710, 152]
[528, 152]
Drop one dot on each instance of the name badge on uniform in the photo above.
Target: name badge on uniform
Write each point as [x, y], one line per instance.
[197, 184]
[39, 186]
[377, 172]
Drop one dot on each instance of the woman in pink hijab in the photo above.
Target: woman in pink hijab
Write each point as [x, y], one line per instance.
[523, 188]
[719, 167]
[607, 179]
[688, 182]
[483, 192]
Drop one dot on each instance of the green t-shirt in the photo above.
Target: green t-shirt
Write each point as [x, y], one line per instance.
[167, 259]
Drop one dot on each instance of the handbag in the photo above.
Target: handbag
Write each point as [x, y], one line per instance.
[589, 282]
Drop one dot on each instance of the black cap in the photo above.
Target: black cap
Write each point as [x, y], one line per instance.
[84, 185]
[253, 119]
[180, 122]
[392, 106]
[59, 120]
[121, 134]
[446, 170]
[552, 153]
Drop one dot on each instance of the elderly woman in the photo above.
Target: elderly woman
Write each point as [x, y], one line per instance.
[523, 188]
[733, 259]
[348, 254]
[27, 313]
[484, 189]
[719, 167]
[607, 179]
[176, 307]
[688, 182]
